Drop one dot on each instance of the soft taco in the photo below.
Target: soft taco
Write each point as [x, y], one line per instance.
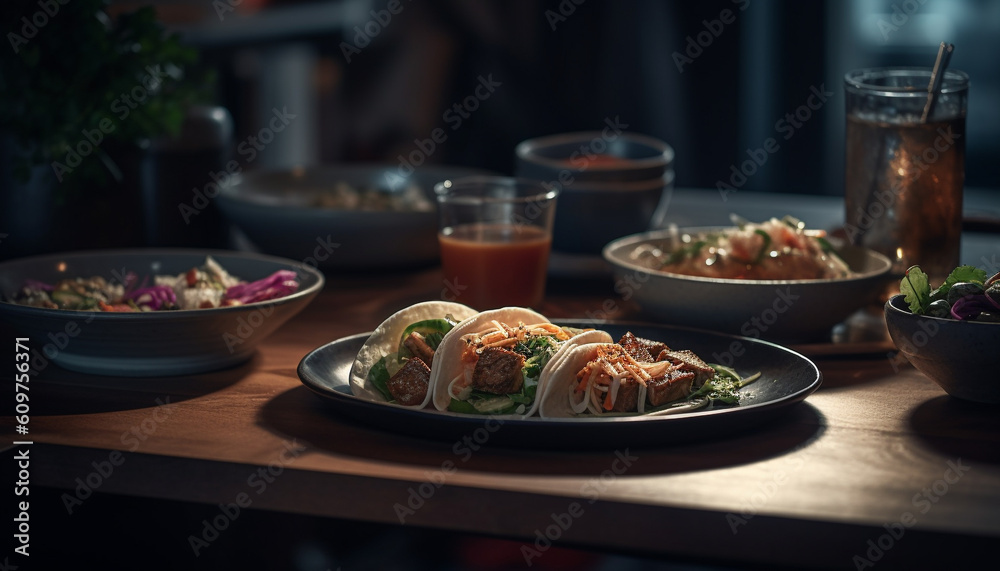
[634, 376]
[493, 363]
[394, 365]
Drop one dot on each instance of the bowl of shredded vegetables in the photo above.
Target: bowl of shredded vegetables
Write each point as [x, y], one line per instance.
[150, 312]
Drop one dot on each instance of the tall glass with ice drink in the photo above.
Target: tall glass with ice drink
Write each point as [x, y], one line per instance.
[905, 172]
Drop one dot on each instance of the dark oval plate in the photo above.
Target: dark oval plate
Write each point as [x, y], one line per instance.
[786, 378]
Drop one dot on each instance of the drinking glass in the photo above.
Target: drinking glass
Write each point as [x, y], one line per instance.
[905, 175]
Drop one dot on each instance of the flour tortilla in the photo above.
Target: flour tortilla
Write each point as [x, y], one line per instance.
[554, 402]
[448, 362]
[560, 380]
[385, 340]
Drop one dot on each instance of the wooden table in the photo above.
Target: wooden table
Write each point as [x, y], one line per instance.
[876, 452]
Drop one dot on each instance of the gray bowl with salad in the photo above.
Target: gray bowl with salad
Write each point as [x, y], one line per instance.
[155, 312]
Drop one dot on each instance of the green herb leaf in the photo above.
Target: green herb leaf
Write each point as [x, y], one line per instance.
[764, 247]
[688, 251]
[461, 406]
[379, 376]
[916, 289]
[825, 244]
[432, 330]
[960, 274]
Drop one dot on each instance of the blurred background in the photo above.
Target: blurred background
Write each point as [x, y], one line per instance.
[566, 66]
[370, 80]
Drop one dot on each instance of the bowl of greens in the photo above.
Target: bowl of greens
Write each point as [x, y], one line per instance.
[950, 333]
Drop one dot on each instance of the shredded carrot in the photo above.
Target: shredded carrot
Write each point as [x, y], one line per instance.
[116, 308]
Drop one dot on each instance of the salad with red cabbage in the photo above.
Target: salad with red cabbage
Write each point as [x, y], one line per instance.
[966, 294]
[203, 287]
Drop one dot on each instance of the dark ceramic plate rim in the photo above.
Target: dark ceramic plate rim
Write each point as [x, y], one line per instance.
[418, 421]
[14, 308]
[651, 235]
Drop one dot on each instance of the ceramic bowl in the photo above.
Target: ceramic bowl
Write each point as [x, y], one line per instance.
[276, 211]
[960, 356]
[147, 344]
[611, 184]
[783, 310]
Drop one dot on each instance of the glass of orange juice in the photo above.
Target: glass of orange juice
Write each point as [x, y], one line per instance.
[495, 236]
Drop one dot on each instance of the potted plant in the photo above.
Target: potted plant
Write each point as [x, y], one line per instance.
[81, 96]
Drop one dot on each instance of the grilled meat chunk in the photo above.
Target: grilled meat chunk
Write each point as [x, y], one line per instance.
[675, 384]
[688, 361]
[627, 399]
[498, 371]
[420, 349]
[409, 385]
[635, 348]
[654, 347]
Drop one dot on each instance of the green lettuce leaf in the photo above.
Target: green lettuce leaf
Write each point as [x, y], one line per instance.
[916, 289]
[379, 376]
[959, 274]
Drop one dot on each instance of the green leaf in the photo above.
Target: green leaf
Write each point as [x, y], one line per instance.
[461, 406]
[916, 289]
[433, 330]
[685, 252]
[825, 244]
[960, 274]
[379, 376]
[764, 247]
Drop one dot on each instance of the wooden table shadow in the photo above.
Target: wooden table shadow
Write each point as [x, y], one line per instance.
[59, 391]
[298, 413]
[958, 428]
